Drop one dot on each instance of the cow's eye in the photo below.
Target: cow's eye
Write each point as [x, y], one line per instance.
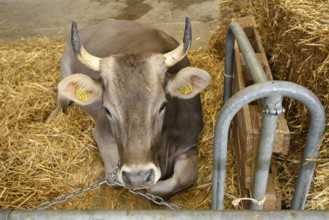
[163, 107]
[107, 111]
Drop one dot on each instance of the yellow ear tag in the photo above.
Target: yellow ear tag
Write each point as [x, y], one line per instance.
[186, 89]
[81, 95]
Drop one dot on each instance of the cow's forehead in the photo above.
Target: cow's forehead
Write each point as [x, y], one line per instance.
[133, 78]
[147, 68]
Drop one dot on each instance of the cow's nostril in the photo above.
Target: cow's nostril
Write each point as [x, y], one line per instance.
[149, 176]
[125, 178]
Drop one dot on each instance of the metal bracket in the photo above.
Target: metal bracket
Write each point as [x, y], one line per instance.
[272, 105]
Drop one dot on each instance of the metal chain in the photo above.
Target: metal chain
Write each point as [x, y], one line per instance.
[155, 199]
[79, 192]
[76, 193]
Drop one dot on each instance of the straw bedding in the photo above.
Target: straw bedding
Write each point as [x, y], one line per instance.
[40, 161]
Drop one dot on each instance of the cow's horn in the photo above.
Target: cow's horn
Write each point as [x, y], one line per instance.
[180, 52]
[86, 58]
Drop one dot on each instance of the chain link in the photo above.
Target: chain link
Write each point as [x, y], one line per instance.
[155, 199]
[96, 185]
[76, 193]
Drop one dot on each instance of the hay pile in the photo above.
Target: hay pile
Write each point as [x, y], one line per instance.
[300, 53]
[40, 161]
[37, 160]
[295, 35]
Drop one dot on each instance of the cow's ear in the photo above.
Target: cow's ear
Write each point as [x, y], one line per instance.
[80, 88]
[188, 82]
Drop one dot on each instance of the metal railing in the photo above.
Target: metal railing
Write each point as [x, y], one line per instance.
[162, 215]
[272, 93]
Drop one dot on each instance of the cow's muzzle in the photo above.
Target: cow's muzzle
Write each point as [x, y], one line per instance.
[139, 176]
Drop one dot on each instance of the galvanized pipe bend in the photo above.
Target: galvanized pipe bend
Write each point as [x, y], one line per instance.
[252, 93]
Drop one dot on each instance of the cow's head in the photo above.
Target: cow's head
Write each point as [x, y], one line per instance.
[132, 89]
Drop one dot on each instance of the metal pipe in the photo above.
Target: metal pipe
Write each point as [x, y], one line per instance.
[272, 107]
[269, 124]
[236, 32]
[162, 214]
[228, 68]
[256, 69]
[252, 93]
[311, 153]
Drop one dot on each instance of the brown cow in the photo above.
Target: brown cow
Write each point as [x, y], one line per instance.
[139, 88]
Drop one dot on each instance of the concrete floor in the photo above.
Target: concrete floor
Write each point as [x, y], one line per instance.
[32, 18]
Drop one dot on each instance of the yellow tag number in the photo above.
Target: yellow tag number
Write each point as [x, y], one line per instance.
[186, 89]
[81, 95]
